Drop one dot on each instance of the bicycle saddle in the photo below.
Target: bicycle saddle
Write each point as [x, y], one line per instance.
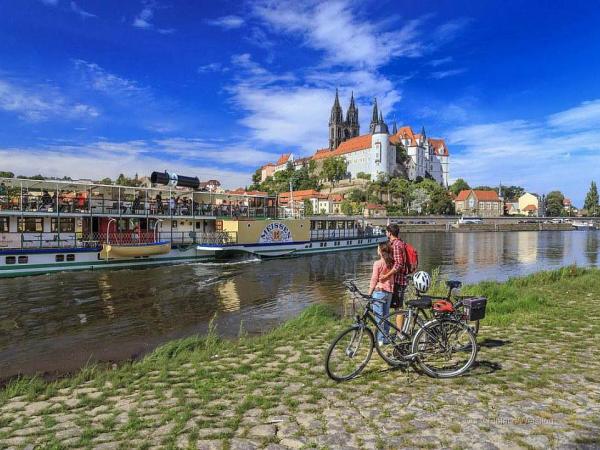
[453, 284]
[421, 302]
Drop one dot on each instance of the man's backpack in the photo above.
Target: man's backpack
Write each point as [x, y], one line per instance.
[412, 258]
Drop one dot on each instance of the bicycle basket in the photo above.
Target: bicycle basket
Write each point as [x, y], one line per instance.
[474, 307]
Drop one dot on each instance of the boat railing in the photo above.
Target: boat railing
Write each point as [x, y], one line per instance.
[119, 207]
[348, 233]
[96, 240]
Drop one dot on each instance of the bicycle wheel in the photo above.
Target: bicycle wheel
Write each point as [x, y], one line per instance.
[395, 345]
[349, 353]
[446, 348]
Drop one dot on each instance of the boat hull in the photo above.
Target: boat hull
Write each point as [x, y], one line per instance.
[132, 251]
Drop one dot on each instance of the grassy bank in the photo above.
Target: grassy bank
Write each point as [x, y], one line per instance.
[536, 385]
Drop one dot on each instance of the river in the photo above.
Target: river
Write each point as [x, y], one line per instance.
[58, 322]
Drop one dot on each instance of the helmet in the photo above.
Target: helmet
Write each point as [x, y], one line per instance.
[422, 281]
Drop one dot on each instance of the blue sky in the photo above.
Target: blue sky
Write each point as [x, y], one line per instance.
[91, 88]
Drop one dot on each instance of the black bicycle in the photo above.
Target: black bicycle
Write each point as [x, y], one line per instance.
[442, 347]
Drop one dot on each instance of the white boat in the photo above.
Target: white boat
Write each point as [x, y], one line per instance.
[582, 225]
[48, 226]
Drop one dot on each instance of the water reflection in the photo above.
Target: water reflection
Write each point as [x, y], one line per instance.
[60, 321]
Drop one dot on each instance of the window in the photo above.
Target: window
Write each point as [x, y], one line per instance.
[350, 224]
[341, 225]
[332, 224]
[30, 225]
[23, 259]
[70, 257]
[11, 260]
[174, 224]
[66, 225]
[59, 258]
[3, 224]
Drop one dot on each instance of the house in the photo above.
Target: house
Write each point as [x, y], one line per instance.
[512, 208]
[479, 203]
[373, 210]
[529, 204]
[336, 203]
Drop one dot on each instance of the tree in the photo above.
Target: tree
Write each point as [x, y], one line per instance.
[335, 169]
[363, 176]
[347, 208]
[106, 181]
[459, 185]
[401, 154]
[554, 204]
[4, 174]
[308, 207]
[512, 193]
[402, 189]
[591, 200]
[356, 195]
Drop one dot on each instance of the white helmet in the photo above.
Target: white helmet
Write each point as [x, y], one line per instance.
[422, 281]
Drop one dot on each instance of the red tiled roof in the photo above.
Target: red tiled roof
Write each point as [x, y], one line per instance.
[336, 197]
[307, 193]
[374, 206]
[283, 159]
[351, 145]
[530, 208]
[482, 196]
[439, 146]
[241, 191]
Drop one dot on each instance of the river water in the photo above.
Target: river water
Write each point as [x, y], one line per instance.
[57, 322]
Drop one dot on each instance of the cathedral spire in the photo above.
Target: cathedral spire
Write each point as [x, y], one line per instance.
[336, 123]
[374, 118]
[395, 128]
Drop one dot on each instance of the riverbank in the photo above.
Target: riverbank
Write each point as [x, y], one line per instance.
[536, 385]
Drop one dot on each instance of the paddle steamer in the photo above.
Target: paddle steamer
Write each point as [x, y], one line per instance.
[48, 225]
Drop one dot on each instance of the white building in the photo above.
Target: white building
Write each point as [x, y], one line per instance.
[378, 151]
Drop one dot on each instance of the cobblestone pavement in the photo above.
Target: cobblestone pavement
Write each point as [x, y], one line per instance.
[535, 387]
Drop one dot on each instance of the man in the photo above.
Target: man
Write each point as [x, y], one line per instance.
[398, 270]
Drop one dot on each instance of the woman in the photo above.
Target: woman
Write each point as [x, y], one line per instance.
[380, 288]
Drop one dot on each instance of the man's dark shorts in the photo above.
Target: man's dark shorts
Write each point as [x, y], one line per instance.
[398, 296]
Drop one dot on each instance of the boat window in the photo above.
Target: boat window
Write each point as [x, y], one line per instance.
[70, 257]
[66, 225]
[332, 224]
[30, 224]
[312, 224]
[11, 259]
[321, 224]
[59, 258]
[3, 224]
[173, 224]
[198, 225]
[350, 224]
[23, 259]
[341, 225]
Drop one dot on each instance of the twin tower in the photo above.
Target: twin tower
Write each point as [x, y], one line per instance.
[341, 130]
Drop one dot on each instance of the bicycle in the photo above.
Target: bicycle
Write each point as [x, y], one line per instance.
[416, 343]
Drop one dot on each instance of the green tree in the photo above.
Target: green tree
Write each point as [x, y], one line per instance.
[4, 174]
[401, 154]
[459, 185]
[591, 200]
[308, 207]
[347, 208]
[554, 204]
[363, 176]
[335, 169]
[512, 193]
[356, 195]
[106, 181]
[401, 189]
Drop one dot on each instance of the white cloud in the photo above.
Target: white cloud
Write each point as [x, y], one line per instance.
[41, 103]
[438, 75]
[144, 19]
[99, 79]
[227, 22]
[440, 61]
[583, 116]
[344, 38]
[212, 67]
[541, 155]
[77, 9]
[185, 156]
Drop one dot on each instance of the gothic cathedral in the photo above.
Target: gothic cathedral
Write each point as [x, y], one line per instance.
[340, 129]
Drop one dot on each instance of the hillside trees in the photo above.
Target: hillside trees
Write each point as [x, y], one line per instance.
[554, 204]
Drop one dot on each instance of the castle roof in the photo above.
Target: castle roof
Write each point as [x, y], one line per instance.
[283, 159]
[351, 145]
[439, 146]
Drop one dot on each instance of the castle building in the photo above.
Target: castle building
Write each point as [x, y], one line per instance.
[379, 151]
